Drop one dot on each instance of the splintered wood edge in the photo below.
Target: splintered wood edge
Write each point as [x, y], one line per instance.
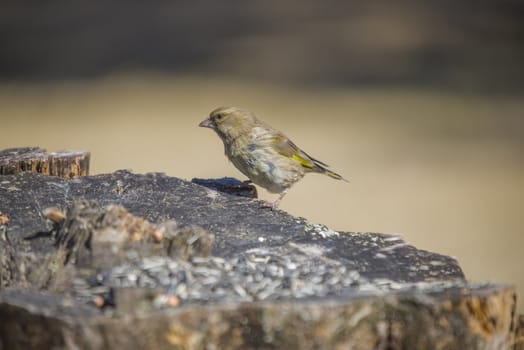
[65, 163]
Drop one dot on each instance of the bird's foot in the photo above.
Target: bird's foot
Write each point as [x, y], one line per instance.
[270, 205]
[274, 205]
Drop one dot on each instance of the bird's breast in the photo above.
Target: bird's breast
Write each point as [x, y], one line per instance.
[264, 166]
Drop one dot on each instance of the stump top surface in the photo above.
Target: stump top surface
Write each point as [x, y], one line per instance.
[239, 224]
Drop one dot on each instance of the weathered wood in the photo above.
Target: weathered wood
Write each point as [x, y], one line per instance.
[66, 164]
[271, 280]
[473, 317]
[519, 337]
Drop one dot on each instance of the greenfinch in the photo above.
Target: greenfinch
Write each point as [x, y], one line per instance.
[265, 155]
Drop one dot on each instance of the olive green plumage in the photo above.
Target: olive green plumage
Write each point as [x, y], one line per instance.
[265, 155]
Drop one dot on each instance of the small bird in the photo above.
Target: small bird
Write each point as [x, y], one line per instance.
[265, 155]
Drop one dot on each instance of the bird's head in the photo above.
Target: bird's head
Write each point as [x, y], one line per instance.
[230, 122]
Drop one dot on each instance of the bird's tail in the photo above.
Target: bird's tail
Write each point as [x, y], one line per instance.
[334, 175]
[315, 165]
[322, 167]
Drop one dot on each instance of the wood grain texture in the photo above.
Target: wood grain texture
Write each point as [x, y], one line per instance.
[66, 164]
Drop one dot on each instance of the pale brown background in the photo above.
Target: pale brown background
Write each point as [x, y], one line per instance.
[419, 106]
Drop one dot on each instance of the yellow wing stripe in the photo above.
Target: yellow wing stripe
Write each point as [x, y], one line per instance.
[305, 163]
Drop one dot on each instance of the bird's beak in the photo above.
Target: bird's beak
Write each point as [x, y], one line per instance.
[207, 123]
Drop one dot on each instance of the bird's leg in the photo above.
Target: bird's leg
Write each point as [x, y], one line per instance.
[275, 204]
[279, 199]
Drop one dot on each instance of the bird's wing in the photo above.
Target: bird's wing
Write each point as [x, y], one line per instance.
[286, 147]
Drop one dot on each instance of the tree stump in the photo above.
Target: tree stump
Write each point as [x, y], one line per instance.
[122, 260]
[66, 164]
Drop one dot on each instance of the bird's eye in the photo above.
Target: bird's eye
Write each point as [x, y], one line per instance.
[219, 116]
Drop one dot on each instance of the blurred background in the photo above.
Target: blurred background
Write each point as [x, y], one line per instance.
[419, 104]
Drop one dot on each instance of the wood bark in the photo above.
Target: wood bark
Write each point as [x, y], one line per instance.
[66, 164]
